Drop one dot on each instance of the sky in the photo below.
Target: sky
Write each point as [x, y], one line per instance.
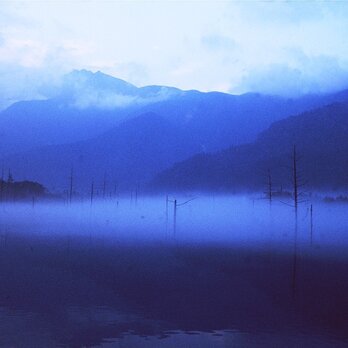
[274, 47]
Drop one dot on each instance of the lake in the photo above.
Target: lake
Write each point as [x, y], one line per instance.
[223, 271]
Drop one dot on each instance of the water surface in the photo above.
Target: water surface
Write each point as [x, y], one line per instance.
[232, 272]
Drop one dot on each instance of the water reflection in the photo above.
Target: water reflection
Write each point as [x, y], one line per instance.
[234, 275]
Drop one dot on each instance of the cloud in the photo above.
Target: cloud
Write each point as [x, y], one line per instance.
[103, 100]
[29, 70]
[218, 42]
[320, 74]
[84, 89]
[226, 46]
[18, 83]
[134, 72]
[109, 100]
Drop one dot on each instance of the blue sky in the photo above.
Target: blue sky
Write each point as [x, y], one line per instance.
[278, 47]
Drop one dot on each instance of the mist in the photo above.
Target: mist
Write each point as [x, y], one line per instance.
[242, 220]
[101, 252]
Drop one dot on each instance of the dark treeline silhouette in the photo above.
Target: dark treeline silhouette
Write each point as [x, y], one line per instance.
[11, 190]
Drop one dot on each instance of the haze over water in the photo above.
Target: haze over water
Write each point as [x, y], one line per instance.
[234, 271]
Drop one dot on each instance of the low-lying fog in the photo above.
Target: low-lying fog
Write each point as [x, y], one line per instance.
[223, 271]
[229, 220]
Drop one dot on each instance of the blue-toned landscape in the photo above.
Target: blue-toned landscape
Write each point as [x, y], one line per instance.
[231, 270]
[173, 174]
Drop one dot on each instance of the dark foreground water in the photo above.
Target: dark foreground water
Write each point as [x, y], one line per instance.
[232, 273]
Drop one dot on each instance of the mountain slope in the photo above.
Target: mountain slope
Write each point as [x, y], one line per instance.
[89, 104]
[130, 153]
[154, 128]
[84, 106]
[321, 140]
[136, 150]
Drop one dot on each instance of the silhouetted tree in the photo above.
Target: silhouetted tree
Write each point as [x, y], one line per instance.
[71, 184]
[92, 191]
[2, 185]
[295, 177]
[104, 185]
[269, 187]
[10, 177]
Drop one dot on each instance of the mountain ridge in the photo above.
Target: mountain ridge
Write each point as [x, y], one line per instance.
[320, 137]
[41, 135]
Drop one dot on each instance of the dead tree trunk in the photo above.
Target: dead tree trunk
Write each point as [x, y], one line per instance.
[92, 192]
[9, 187]
[167, 207]
[311, 217]
[71, 184]
[136, 194]
[115, 190]
[167, 203]
[295, 178]
[2, 185]
[269, 187]
[294, 260]
[104, 185]
[175, 207]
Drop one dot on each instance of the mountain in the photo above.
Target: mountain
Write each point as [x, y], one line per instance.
[83, 106]
[136, 150]
[128, 154]
[86, 105]
[97, 123]
[321, 141]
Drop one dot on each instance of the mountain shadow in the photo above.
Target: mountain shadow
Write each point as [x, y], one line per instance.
[321, 140]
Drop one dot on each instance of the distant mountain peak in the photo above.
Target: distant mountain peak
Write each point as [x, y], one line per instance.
[85, 79]
[84, 89]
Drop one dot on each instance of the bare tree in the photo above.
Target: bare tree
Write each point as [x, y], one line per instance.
[175, 208]
[269, 187]
[71, 184]
[2, 184]
[136, 193]
[104, 185]
[92, 192]
[10, 177]
[9, 185]
[297, 182]
[311, 222]
[295, 178]
[115, 190]
[176, 205]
